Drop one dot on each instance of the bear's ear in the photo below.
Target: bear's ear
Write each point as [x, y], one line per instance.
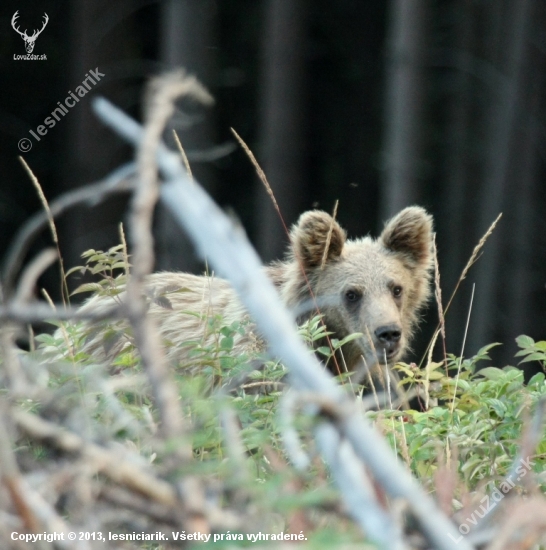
[409, 233]
[317, 238]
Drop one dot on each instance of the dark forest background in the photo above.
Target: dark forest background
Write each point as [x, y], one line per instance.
[377, 104]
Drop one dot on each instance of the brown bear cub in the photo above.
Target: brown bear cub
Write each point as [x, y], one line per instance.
[373, 287]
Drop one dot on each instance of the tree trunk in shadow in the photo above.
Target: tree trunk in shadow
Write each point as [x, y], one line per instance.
[494, 193]
[404, 105]
[282, 138]
[520, 244]
[462, 168]
[187, 41]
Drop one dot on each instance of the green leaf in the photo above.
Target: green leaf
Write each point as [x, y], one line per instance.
[405, 369]
[537, 379]
[81, 268]
[226, 331]
[512, 373]
[525, 341]
[350, 338]
[227, 363]
[491, 373]
[534, 356]
[498, 406]
[433, 366]
[99, 268]
[324, 350]
[87, 287]
[46, 339]
[471, 463]
[226, 343]
[463, 384]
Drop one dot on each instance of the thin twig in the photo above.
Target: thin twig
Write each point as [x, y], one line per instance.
[124, 249]
[426, 384]
[183, 154]
[462, 349]
[64, 289]
[474, 257]
[262, 176]
[438, 296]
[329, 236]
[374, 391]
[42, 198]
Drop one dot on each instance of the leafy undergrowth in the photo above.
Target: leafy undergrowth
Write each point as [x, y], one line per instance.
[469, 430]
[479, 414]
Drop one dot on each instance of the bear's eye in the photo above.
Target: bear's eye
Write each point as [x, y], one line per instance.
[352, 296]
[397, 291]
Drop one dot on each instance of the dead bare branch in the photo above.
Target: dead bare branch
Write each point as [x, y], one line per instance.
[119, 469]
[30, 276]
[162, 93]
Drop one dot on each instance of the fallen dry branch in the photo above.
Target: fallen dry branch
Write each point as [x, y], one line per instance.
[163, 501]
[106, 462]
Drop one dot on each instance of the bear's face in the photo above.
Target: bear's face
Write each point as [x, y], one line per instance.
[375, 287]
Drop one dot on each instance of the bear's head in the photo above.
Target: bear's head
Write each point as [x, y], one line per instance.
[374, 287]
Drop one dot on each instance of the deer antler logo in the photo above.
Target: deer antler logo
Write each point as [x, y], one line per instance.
[29, 40]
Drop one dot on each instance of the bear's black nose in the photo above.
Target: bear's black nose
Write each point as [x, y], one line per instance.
[388, 337]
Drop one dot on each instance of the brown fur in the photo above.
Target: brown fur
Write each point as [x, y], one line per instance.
[355, 283]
